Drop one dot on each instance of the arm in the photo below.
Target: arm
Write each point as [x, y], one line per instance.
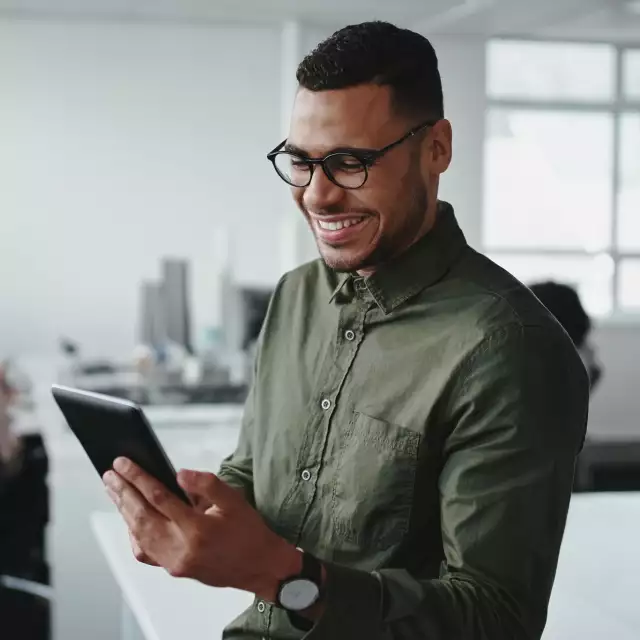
[515, 415]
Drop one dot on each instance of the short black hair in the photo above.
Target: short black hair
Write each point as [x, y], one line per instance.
[564, 303]
[378, 53]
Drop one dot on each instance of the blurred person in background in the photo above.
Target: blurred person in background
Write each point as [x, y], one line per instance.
[10, 444]
[406, 458]
[24, 611]
[564, 303]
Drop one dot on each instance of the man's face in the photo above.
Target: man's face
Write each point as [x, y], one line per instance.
[358, 229]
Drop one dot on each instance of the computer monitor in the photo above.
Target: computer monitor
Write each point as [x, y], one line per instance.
[254, 303]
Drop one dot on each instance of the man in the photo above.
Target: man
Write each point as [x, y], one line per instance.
[416, 412]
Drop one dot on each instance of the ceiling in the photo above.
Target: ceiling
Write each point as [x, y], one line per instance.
[243, 10]
[595, 19]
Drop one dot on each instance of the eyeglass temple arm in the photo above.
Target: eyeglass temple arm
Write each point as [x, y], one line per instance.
[277, 148]
[408, 135]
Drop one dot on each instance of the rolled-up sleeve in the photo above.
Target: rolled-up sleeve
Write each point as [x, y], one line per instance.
[237, 468]
[515, 414]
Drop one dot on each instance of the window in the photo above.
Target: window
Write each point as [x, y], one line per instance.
[562, 167]
[549, 180]
[629, 186]
[631, 74]
[551, 71]
[629, 288]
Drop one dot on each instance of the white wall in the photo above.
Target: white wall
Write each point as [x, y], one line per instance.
[122, 143]
[462, 67]
[137, 141]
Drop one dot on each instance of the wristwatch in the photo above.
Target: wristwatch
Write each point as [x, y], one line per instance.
[303, 590]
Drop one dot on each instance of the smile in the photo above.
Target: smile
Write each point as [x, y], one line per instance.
[339, 231]
[341, 224]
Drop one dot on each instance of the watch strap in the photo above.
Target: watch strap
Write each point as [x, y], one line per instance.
[311, 569]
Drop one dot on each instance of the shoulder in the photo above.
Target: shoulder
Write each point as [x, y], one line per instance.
[489, 301]
[504, 331]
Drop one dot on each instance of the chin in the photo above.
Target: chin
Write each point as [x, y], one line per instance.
[344, 260]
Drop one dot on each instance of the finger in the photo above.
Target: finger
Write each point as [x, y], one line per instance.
[139, 515]
[139, 554]
[112, 494]
[153, 491]
[207, 487]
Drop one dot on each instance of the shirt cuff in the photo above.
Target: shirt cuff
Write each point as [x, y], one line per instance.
[352, 606]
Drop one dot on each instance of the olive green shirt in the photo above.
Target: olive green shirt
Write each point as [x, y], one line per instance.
[416, 430]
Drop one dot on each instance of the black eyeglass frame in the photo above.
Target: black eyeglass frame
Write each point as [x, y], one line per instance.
[367, 157]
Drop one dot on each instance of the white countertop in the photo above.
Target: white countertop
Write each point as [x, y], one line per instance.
[595, 594]
[598, 578]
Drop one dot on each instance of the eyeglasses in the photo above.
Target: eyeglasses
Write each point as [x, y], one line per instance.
[347, 168]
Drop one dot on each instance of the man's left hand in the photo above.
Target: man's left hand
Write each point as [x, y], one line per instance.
[227, 545]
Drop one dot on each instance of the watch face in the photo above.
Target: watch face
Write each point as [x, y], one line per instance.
[299, 594]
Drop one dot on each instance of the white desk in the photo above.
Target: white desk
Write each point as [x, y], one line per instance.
[598, 578]
[594, 598]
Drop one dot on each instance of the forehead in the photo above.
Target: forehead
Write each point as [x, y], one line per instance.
[358, 117]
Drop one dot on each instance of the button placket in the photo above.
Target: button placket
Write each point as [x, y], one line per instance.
[353, 317]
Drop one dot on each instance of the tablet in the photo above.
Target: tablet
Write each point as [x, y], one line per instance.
[109, 427]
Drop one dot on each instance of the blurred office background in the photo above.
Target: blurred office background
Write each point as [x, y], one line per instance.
[142, 228]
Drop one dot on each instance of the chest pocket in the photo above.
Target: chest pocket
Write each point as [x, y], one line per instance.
[374, 484]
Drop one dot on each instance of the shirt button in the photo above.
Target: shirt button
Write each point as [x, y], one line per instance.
[349, 335]
[261, 607]
[326, 404]
[306, 475]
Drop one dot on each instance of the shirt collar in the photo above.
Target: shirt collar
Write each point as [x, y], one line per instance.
[421, 266]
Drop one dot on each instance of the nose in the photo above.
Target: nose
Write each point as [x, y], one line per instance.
[321, 192]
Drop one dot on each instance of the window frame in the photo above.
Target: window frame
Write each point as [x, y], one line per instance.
[618, 107]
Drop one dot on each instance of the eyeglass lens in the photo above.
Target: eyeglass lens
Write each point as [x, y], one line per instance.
[345, 169]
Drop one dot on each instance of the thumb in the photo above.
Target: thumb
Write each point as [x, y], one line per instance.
[203, 484]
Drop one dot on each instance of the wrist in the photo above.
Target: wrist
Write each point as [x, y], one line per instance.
[284, 561]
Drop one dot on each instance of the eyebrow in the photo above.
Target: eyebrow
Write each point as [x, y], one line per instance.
[292, 148]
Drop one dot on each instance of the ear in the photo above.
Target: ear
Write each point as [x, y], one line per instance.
[441, 146]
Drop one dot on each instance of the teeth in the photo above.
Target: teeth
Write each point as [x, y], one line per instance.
[337, 226]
